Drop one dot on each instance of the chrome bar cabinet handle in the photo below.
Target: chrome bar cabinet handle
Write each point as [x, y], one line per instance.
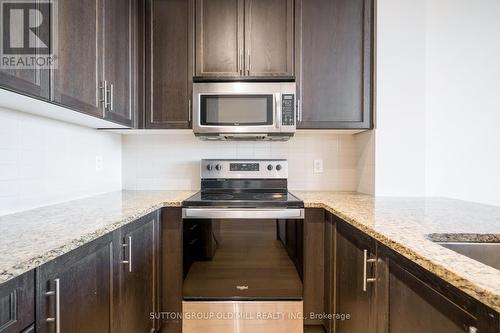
[240, 61]
[111, 96]
[366, 279]
[249, 61]
[104, 93]
[57, 294]
[129, 261]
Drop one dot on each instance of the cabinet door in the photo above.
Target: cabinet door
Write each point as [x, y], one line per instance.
[171, 267]
[35, 81]
[415, 307]
[169, 64]
[336, 55]
[139, 283]
[314, 269]
[118, 55]
[329, 297]
[17, 310]
[352, 297]
[75, 290]
[269, 38]
[219, 38]
[78, 76]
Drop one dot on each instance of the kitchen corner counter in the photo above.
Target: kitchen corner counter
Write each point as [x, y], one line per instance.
[406, 225]
[31, 238]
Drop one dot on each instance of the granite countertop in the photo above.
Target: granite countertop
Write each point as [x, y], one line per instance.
[407, 226]
[34, 237]
[29, 239]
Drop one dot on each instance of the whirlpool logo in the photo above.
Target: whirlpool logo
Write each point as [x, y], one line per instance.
[28, 41]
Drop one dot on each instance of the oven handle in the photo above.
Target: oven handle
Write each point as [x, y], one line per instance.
[249, 213]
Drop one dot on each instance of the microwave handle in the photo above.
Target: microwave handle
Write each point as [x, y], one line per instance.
[277, 103]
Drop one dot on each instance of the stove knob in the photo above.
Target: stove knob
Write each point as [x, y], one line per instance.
[278, 167]
[209, 167]
[269, 167]
[218, 167]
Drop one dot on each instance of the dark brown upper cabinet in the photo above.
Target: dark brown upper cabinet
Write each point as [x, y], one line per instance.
[33, 82]
[219, 38]
[244, 39]
[169, 64]
[95, 55]
[335, 81]
[269, 37]
[119, 58]
[77, 81]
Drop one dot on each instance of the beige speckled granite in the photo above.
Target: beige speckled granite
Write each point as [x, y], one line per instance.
[404, 225]
[31, 238]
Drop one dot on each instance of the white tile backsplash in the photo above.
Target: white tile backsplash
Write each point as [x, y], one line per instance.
[44, 161]
[171, 161]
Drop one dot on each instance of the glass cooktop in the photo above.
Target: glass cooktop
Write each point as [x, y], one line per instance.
[244, 199]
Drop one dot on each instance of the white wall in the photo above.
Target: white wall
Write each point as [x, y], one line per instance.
[43, 161]
[365, 170]
[400, 99]
[172, 161]
[463, 99]
[438, 99]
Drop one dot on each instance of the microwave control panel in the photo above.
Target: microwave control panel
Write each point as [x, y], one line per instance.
[287, 110]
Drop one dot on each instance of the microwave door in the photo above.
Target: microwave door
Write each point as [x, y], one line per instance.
[238, 113]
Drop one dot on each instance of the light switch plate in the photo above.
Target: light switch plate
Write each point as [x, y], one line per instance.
[318, 166]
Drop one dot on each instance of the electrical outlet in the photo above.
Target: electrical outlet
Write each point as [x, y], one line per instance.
[318, 166]
[99, 163]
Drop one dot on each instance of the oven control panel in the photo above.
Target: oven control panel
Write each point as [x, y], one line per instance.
[244, 167]
[241, 169]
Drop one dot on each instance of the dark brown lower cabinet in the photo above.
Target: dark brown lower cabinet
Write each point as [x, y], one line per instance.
[384, 292]
[139, 278]
[418, 301]
[108, 285]
[415, 307]
[30, 329]
[330, 259]
[314, 269]
[74, 291]
[355, 275]
[171, 268]
[17, 310]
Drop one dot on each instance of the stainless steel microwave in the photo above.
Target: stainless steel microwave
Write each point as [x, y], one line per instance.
[244, 110]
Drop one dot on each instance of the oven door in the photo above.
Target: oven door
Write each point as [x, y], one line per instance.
[242, 259]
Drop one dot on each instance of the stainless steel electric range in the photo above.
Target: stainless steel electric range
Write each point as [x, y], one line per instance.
[242, 244]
